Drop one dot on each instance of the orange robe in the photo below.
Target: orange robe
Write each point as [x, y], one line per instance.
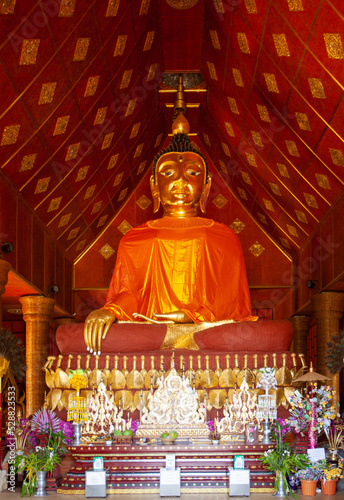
[169, 264]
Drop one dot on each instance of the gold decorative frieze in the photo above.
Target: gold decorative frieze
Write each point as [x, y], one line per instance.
[226, 149]
[91, 87]
[262, 218]
[317, 88]
[271, 83]
[219, 6]
[237, 77]
[323, 181]
[251, 159]
[73, 233]
[281, 45]
[181, 4]
[10, 135]
[263, 113]
[223, 166]
[229, 129]
[126, 79]
[256, 249]
[285, 242]
[303, 122]
[123, 194]
[29, 52]
[61, 125]
[233, 105]
[89, 191]
[65, 219]
[82, 172]
[131, 107]
[118, 179]
[158, 140]
[141, 167]
[143, 202]
[275, 189]
[334, 45]
[42, 185]
[242, 193]
[67, 8]
[251, 6]
[106, 251]
[337, 157]
[212, 70]
[268, 205]
[54, 204]
[120, 45]
[113, 161]
[80, 245]
[100, 116]
[124, 227]
[295, 5]
[81, 49]
[107, 140]
[102, 220]
[96, 207]
[256, 138]
[112, 8]
[72, 151]
[138, 150]
[206, 139]
[7, 6]
[144, 7]
[292, 148]
[47, 93]
[237, 226]
[28, 162]
[220, 201]
[215, 39]
[292, 230]
[151, 72]
[135, 130]
[149, 41]
[283, 170]
[301, 216]
[243, 43]
[310, 200]
[246, 178]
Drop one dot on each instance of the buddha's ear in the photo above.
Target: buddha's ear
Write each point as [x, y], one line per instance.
[155, 194]
[204, 196]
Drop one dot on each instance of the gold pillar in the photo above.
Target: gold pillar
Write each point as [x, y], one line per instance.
[328, 310]
[301, 329]
[5, 268]
[37, 312]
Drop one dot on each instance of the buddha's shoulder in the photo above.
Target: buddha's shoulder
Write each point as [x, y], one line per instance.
[181, 223]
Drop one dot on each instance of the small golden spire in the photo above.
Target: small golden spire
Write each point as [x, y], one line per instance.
[180, 124]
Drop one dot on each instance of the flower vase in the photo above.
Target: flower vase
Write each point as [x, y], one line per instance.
[77, 434]
[309, 488]
[280, 491]
[329, 487]
[266, 433]
[333, 457]
[41, 484]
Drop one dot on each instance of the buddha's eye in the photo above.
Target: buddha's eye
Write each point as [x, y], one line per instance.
[167, 173]
[192, 172]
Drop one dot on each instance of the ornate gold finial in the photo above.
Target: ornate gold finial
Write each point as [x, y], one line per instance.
[180, 124]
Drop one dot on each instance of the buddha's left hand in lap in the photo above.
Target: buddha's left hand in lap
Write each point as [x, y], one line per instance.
[170, 317]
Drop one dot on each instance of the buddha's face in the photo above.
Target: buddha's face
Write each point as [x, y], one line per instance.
[180, 183]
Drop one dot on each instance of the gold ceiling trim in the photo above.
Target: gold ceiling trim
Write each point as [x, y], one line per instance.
[181, 4]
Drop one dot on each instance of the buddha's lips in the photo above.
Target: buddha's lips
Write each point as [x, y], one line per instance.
[180, 193]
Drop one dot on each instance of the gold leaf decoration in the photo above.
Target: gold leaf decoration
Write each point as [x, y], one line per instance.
[263, 113]
[67, 8]
[107, 140]
[96, 207]
[301, 216]
[118, 179]
[80, 245]
[271, 83]
[28, 162]
[182, 4]
[243, 43]
[275, 189]
[144, 7]
[72, 151]
[220, 201]
[233, 105]
[251, 6]
[323, 181]
[151, 72]
[334, 45]
[226, 149]
[10, 135]
[102, 220]
[61, 125]
[47, 93]
[120, 45]
[138, 150]
[54, 204]
[302, 120]
[82, 172]
[215, 39]
[131, 107]
[295, 5]
[292, 230]
[237, 226]
[256, 249]
[223, 166]
[135, 130]
[143, 202]
[229, 129]
[310, 200]
[149, 41]
[106, 251]
[112, 8]
[237, 77]
[90, 191]
[42, 185]
[219, 6]
[112, 162]
[256, 138]
[246, 178]
[212, 70]
[126, 79]
[7, 6]
[285, 242]
[251, 159]
[262, 218]
[65, 219]
[281, 45]
[242, 193]
[100, 116]
[29, 52]
[123, 194]
[73, 233]
[81, 49]
[292, 148]
[268, 205]
[283, 170]
[317, 88]
[337, 157]
[158, 140]
[91, 87]
[206, 139]
[124, 227]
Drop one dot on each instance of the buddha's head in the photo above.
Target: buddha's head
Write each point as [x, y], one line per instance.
[180, 179]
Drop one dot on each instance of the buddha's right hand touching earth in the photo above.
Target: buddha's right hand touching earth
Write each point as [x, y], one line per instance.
[97, 325]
